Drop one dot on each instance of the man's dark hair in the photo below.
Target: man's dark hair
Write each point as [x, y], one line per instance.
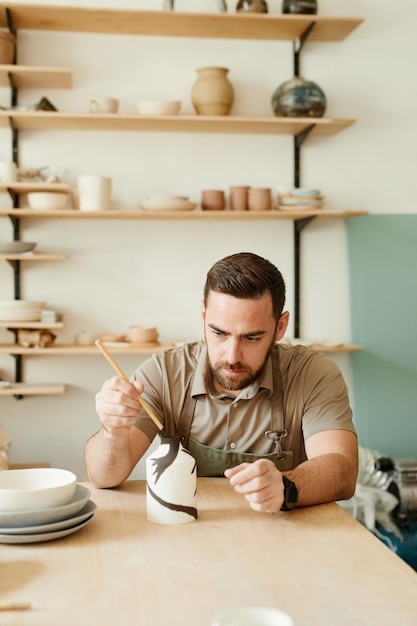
[247, 275]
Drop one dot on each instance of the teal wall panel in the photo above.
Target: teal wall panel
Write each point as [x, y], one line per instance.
[383, 296]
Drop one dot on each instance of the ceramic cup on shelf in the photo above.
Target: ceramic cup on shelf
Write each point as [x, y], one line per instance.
[8, 172]
[239, 198]
[259, 199]
[94, 192]
[104, 105]
[213, 200]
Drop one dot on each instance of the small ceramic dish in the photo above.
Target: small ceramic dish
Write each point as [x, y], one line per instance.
[158, 107]
[47, 200]
[142, 334]
[17, 247]
[299, 191]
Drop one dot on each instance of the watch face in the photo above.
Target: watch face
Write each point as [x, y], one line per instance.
[290, 494]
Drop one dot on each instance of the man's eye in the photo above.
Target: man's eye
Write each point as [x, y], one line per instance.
[218, 333]
[252, 339]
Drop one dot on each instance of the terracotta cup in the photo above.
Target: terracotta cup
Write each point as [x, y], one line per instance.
[239, 198]
[259, 199]
[213, 200]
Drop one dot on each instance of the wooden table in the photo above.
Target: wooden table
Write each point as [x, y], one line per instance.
[316, 563]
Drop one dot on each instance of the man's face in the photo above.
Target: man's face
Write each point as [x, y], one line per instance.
[239, 334]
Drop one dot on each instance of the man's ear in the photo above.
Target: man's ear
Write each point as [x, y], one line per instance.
[282, 325]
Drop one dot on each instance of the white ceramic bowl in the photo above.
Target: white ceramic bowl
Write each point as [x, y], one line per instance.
[35, 488]
[165, 197]
[16, 247]
[47, 200]
[142, 334]
[158, 107]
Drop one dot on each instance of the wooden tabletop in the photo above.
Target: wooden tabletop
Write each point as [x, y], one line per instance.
[317, 564]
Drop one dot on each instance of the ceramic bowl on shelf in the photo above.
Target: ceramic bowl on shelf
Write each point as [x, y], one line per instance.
[158, 107]
[17, 247]
[35, 488]
[168, 204]
[142, 334]
[20, 310]
[47, 200]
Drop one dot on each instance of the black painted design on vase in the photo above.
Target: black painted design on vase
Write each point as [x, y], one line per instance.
[189, 510]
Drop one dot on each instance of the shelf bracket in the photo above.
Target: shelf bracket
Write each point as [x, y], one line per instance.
[298, 142]
[299, 226]
[298, 46]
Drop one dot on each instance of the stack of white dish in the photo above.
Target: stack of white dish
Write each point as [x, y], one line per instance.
[41, 504]
[20, 311]
[299, 198]
[167, 202]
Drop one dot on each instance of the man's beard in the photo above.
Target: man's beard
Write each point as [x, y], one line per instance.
[236, 384]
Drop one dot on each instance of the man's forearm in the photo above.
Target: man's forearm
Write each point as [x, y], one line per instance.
[324, 478]
[107, 459]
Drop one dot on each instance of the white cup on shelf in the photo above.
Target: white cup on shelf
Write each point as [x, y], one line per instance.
[94, 192]
[104, 105]
[8, 172]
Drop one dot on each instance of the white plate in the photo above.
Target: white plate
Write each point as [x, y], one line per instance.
[37, 537]
[47, 516]
[86, 512]
[177, 205]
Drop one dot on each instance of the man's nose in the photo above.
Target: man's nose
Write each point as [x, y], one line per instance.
[233, 351]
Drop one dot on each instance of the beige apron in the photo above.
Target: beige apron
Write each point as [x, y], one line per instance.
[213, 462]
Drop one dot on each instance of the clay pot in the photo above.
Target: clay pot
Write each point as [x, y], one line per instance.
[239, 198]
[298, 98]
[251, 6]
[7, 48]
[213, 200]
[212, 93]
[259, 199]
[306, 7]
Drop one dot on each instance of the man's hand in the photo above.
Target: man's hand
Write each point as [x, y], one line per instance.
[261, 484]
[117, 405]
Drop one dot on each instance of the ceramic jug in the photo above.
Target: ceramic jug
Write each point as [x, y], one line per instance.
[171, 483]
[212, 93]
[298, 98]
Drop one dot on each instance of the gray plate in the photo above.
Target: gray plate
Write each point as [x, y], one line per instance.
[85, 512]
[22, 519]
[37, 537]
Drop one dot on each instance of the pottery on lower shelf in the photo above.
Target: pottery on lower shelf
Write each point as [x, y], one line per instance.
[213, 200]
[212, 93]
[251, 6]
[306, 7]
[298, 98]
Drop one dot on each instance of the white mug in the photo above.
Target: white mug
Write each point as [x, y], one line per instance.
[8, 172]
[104, 105]
[94, 192]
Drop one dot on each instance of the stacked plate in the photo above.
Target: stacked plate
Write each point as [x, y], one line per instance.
[166, 202]
[299, 198]
[50, 523]
[20, 311]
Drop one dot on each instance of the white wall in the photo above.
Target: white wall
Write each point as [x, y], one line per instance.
[127, 272]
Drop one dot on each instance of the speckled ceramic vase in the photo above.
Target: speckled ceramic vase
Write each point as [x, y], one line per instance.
[171, 483]
[298, 98]
[212, 93]
[308, 7]
[251, 6]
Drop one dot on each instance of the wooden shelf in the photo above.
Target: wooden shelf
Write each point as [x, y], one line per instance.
[14, 349]
[55, 120]
[24, 256]
[214, 25]
[26, 187]
[32, 325]
[20, 76]
[198, 215]
[25, 389]
[70, 349]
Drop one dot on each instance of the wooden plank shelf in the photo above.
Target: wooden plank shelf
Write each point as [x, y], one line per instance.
[197, 214]
[24, 256]
[214, 25]
[14, 349]
[26, 186]
[25, 76]
[26, 389]
[56, 120]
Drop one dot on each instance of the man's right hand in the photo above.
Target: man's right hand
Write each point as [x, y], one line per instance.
[118, 406]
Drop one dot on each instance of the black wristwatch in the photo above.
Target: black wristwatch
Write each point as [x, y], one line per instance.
[290, 494]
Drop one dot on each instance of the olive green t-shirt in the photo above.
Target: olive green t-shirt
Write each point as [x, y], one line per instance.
[315, 399]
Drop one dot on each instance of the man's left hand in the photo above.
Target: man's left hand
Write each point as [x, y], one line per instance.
[261, 484]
